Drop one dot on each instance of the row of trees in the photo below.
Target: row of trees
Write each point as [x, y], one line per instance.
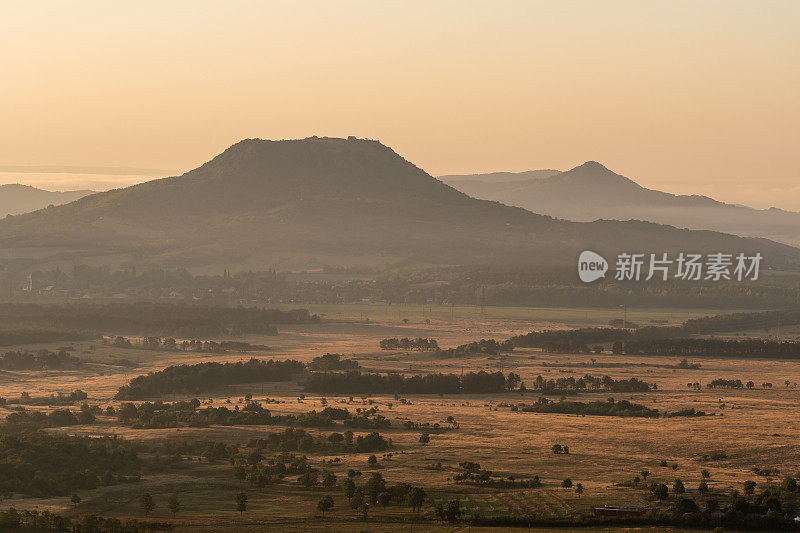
[159, 415]
[58, 399]
[742, 321]
[622, 408]
[332, 361]
[588, 383]
[421, 344]
[672, 340]
[357, 383]
[39, 360]
[192, 379]
[472, 473]
[481, 347]
[442, 285]
[21, 420]
[37, 521]
[176, 320]
[610, 407]
[737, 348]
[170, 344]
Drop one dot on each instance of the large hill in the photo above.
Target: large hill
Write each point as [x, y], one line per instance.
[16, 198]
[345, 201]
[591, 191]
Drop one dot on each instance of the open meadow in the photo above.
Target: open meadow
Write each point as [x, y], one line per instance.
[748, 433]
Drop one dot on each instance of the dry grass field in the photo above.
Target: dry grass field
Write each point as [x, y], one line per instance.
[750, 428]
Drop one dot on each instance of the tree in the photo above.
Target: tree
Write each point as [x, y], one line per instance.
[328, 479]
[750, 385]
[424, 438]
[384, 498]
[660, 491]
[146, 503]
[566, 449]
[241, 502]
[308, 479]
[440, 512]
[749, 486]
[677, 487]
[240, 473]
[357, 499]
[556, 448]
[372, 461]
[645, 474]
[349, 487]
[374, 486]
[75, 499]
[173, 504]
[705, 473]
[685, 506]
[579, 488]
[789, 484]
[325, 504]
[567, 483]
[452, 510]
[415, 497]
[702, 488]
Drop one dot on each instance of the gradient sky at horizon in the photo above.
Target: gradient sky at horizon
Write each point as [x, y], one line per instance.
[684, 96]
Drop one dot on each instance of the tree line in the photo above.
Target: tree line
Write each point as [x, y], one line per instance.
[332, 361]
[35, 520]
[460, 285]
[481, 347]
[21, 420]
[159, 415]
[39, 360]
[192, 379]
[671, 340]
[610, 407]
[735, 348]
[588, 383]
[31, 335]
[59, 399]
[357, 383]
[177, 320]
[421, 344]
[472, 473]
[170, 344]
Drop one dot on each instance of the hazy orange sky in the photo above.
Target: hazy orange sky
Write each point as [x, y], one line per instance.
[686, 96]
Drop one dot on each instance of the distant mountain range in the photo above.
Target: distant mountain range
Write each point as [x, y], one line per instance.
[16, 198]
[591, 192]
[340, 201]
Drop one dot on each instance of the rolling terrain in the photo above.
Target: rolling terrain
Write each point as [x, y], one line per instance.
[348, 199]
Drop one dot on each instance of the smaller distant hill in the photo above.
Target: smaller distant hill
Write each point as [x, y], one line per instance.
[16, 199]
[592, 192]
[486, 185]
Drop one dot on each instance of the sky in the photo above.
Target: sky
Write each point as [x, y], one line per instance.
[684, 96]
